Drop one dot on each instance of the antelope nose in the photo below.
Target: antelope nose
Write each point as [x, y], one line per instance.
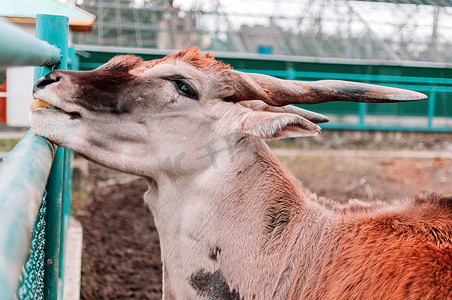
[44, 81]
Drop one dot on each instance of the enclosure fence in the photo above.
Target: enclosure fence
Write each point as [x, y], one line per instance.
[35, 178]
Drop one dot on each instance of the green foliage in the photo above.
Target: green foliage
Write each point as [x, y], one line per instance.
[7, 144]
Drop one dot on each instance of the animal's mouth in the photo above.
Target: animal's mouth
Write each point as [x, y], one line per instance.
[38, 104]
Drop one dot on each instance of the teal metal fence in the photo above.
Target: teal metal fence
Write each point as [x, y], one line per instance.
[35, 178]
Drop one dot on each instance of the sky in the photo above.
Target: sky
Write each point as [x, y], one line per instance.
[384, 19]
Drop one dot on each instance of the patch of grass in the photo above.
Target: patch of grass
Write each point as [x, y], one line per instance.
[7, 144]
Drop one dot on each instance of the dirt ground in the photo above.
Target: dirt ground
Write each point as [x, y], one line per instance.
[121, 258]
[121, 254]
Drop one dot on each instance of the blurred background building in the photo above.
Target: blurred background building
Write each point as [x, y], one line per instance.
[396, 30]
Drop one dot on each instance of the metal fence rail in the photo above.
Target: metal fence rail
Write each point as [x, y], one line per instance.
[34, 168]
[18, 49]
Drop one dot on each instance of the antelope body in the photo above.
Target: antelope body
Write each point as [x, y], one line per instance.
[233, 224]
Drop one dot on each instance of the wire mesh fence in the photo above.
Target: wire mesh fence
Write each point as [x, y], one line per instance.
[32, 279]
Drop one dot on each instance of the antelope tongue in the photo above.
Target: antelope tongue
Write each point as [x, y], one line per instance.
[38, 103]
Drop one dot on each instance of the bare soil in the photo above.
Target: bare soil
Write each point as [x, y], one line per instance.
[121, 255]
[343, 178]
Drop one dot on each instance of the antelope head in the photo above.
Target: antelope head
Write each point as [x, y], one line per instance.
[144, 117]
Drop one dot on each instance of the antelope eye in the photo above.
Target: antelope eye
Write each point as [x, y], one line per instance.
[184, 88]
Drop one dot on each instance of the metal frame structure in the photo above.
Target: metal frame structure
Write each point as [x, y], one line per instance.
[35, 167]
[409, 30]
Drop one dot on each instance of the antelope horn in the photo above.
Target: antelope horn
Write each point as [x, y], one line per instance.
[278, 92]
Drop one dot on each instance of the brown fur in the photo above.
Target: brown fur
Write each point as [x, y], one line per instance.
[191, 56]
[404, 254]
[364, 250]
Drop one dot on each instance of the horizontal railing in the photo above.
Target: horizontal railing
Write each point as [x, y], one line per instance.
[18, 48]
[23, 177]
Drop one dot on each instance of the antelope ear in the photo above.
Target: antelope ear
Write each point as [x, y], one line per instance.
[271, 126]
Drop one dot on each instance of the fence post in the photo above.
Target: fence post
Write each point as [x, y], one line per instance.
[362, 113]
[291, 73]
[54, 29]
[53, 227]
[431, 108]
